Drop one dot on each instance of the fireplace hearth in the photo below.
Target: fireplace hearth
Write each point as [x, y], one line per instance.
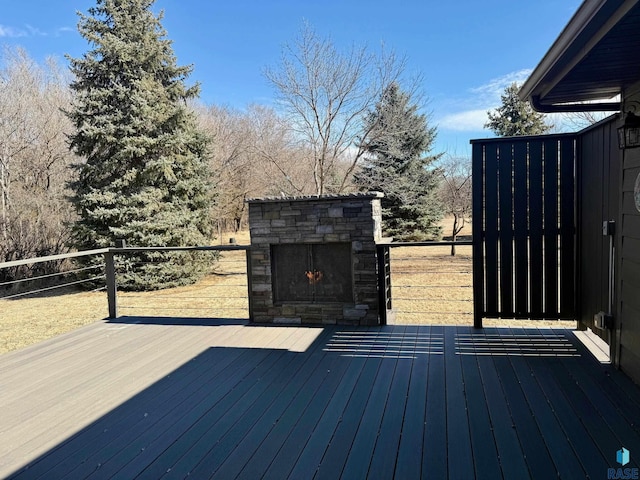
[314, 259]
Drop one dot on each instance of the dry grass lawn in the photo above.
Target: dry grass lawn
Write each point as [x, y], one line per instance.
[429, 286]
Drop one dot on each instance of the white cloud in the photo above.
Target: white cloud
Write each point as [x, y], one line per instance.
[490, 92]
[27, 31]
[63, 30]
[477, 102]
[468, 121]
[35, 32]
[11, 32]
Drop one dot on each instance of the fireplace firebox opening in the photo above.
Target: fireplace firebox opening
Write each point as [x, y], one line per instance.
[312, 273]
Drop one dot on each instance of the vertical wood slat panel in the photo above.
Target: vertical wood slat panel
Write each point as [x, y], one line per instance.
[477, 223]
[567, 228]
[524, 228]
[491, 230]
[520, 216]
[536, 278]
[551, 228]
[505, 199]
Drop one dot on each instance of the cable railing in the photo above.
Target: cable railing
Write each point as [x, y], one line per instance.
[67, 275]
[223, 288]
[429, 285]
[221, 292]
[47, 296]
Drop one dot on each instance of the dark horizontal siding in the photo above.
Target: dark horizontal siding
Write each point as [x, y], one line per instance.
[629, 283]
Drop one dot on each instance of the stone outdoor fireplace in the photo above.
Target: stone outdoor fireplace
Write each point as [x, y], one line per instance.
[314, 259]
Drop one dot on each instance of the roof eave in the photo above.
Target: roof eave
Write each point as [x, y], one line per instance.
[593, 20]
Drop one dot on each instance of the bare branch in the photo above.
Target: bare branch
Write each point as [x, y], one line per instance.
[325, 94]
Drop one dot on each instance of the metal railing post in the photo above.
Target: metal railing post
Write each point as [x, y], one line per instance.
[384, 282]
[249, 285]
[110, 271]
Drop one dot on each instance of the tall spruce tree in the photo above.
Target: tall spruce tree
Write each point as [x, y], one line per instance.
[145, 178]
[399, 165]
[516, 117]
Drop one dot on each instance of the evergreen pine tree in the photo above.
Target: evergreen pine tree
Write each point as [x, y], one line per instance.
[145, 178]
[516, 117]
[397, 165]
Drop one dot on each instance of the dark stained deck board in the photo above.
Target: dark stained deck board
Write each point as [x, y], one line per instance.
[143, 447]
[242, 401]
[577, 435]
[608, 381]
[485, 455]
[112, 427]
[384, 461]
[460, 463]
[601, 433]
[359, 455]
[532, 442]
[61, 374]
[134, 437]
[94, 390]
[220, 421]
[302, 382]
[624, 425]
[363, 410]
[313, 397]
[311, 434]
[434, 444]
[563, 455]
[408, 463]
[54, 376]
[338, 424]
[510, 452]
[173, 353]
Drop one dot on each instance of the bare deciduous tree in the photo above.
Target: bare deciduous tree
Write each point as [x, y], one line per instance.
[252, 154]
[35, 162]
[576, 121]
[325, 94]
[455, 193]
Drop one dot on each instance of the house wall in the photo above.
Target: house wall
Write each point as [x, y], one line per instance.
[628, 324]
[598, 171]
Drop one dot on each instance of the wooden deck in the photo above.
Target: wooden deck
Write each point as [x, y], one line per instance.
[167, 398]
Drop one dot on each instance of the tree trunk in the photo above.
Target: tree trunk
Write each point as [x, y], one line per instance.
[4, 194]
[454, 233]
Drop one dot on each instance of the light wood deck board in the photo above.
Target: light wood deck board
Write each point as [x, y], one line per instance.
[209, 399]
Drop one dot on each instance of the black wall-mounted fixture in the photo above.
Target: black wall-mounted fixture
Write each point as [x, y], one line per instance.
[629, 132]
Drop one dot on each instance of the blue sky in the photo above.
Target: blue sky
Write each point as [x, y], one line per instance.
[467, 51]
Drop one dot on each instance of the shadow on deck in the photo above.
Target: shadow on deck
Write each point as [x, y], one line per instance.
[173, 398]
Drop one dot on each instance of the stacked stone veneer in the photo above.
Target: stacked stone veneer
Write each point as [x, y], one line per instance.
[312, 220]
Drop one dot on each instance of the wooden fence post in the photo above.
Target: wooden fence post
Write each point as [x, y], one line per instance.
[110, 271]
